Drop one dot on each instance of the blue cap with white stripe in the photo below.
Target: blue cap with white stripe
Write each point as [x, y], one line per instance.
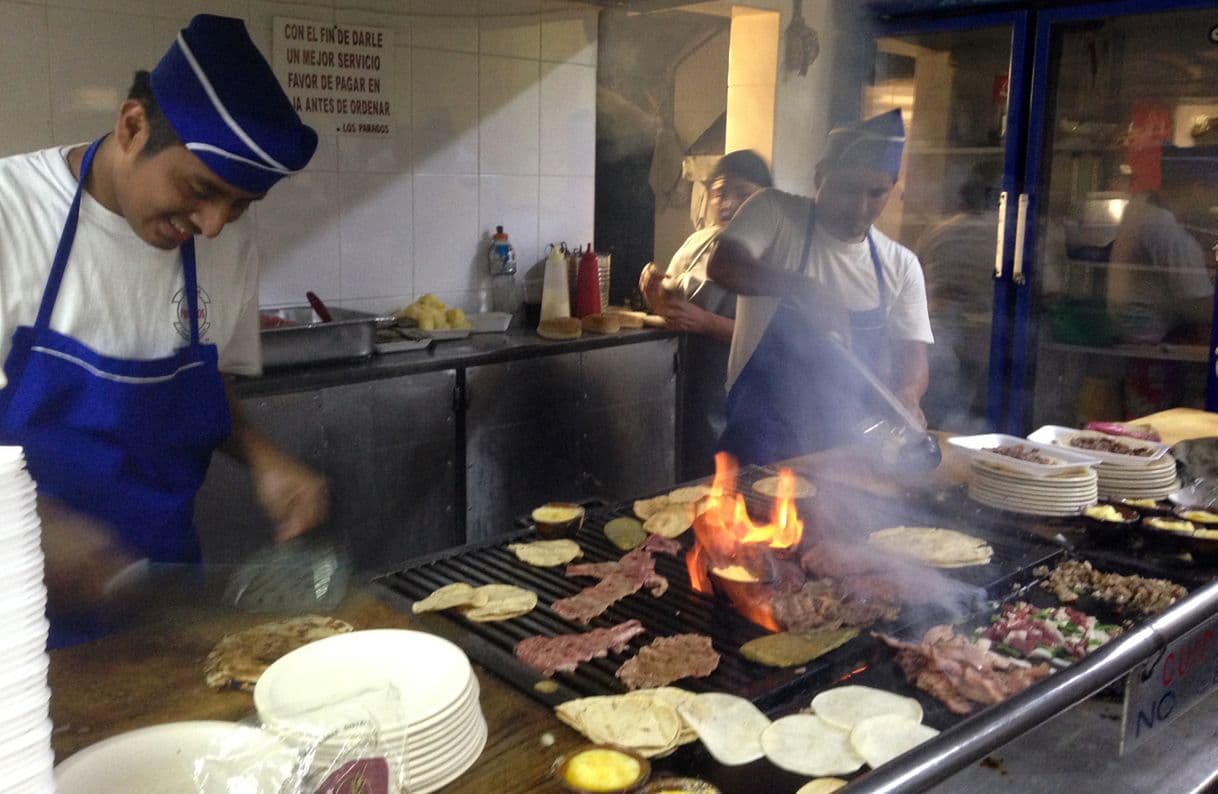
[223, 101]
[875, 143]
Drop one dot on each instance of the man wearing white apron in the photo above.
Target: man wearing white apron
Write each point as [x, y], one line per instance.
[805, 269]
[120, 306]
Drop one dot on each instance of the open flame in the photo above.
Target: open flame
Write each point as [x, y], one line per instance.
[739, 551]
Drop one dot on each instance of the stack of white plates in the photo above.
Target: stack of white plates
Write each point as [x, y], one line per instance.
[25, 727]
[1058, 494]
[415, 694]
[1153, 480]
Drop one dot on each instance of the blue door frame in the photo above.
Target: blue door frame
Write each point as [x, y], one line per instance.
[1002, 328]
[1024, 320]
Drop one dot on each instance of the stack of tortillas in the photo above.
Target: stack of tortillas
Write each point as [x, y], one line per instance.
[672, 513]
[940, 548]
[646, 720]
[851, 726]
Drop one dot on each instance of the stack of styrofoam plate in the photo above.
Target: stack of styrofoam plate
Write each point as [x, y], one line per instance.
[1059, 494]
[25, 725]
[1149, 474]
[1153, 480]
[412, 693]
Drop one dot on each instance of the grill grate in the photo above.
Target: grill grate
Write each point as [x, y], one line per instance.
[680, 609]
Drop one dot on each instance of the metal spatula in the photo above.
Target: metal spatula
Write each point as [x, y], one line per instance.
[300, 575]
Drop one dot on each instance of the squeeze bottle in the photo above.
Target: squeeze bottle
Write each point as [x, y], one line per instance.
[555, 294]
[587, 284]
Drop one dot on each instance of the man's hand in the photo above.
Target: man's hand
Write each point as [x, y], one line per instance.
[651, 286]
[681, 315]
[295, 496]
[83, 556]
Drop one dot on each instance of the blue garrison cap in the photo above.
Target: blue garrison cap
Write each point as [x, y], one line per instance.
[223, 101]
[875, 143]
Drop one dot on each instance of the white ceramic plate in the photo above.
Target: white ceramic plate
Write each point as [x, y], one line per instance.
[161, 760]
[1060, 436]
[353, 671]
[979, 447]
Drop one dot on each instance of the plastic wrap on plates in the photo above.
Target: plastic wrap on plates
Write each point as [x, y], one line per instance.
[335, 747]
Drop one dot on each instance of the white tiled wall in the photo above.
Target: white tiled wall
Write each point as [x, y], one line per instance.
[494, 123]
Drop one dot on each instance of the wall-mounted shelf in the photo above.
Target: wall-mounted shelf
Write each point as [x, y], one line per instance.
[1160, 352]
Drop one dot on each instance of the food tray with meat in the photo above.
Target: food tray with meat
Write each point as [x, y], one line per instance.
[1036, 458]
[1122, 450]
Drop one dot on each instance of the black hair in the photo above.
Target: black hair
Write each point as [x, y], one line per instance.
[160, 134]
[743, 164]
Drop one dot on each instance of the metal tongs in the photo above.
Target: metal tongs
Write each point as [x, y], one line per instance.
[903, 444]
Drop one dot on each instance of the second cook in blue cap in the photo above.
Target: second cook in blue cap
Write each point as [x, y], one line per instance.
[808, 272]
[124, 307]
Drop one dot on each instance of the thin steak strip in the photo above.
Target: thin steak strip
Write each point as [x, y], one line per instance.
[668, 659]
[566, 651]
[617, 580]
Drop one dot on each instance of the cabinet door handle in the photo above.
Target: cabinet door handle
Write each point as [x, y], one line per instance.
[1002, 234]
[1021, 222]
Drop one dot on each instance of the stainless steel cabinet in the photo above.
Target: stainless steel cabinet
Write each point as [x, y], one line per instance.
[566, 428]
[389, 450]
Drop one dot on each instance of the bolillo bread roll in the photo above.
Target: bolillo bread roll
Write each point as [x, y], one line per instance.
[560, 328]
[626, 317]
[601, 324]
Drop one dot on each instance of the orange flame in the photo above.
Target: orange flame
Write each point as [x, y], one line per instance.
[727, 536]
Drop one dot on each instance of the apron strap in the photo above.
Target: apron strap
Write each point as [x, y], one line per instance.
[60, 262]
[62, 252]
[803, 258]
[880, 284]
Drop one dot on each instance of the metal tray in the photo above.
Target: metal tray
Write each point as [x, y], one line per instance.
[351, 335]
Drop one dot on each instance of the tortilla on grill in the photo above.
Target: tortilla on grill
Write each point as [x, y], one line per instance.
[646, 508]
[503, 601]
[940, 548]
[768, 486]
[457, 594]
[239, 659]
[881, 739]
[846, 706]
[791, 649]
[821, 785]
[729, 726]
[807, 745]
[546, 553]
[671, 521]
[689, 494]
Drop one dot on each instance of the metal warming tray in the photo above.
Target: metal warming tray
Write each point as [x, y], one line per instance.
[301, 338]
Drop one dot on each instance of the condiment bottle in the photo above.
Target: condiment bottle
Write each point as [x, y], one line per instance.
[555, 293]
[587, 284]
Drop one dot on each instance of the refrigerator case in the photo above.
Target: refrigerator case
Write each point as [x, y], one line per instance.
[1066, 224]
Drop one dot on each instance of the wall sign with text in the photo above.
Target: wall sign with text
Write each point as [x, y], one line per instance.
[338, 77]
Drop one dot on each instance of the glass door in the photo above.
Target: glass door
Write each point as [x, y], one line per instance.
[954, 81]
[1115, 319]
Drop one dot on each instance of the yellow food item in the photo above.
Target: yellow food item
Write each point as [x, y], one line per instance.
[602, 769]
[554, 514]
[427, 322]
[1201, 516]
[735, 573]
[1140, 502]
[432, 301]
[1104, 513]
[1206, 534]
[1167, 525]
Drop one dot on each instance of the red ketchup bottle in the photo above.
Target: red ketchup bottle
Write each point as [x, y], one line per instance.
[587, 285]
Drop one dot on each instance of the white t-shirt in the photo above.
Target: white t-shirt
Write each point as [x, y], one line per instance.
[772, 226]
[120, 296]
[688, 269]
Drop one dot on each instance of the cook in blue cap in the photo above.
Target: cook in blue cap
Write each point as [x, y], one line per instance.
[122, 317]
[813, 275]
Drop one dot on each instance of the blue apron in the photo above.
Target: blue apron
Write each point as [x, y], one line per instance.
[125, 441]
[795, 394]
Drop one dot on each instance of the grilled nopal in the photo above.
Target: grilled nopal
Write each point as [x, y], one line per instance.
[791, 649]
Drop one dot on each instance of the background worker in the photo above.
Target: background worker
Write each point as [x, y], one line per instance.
[692, 303]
